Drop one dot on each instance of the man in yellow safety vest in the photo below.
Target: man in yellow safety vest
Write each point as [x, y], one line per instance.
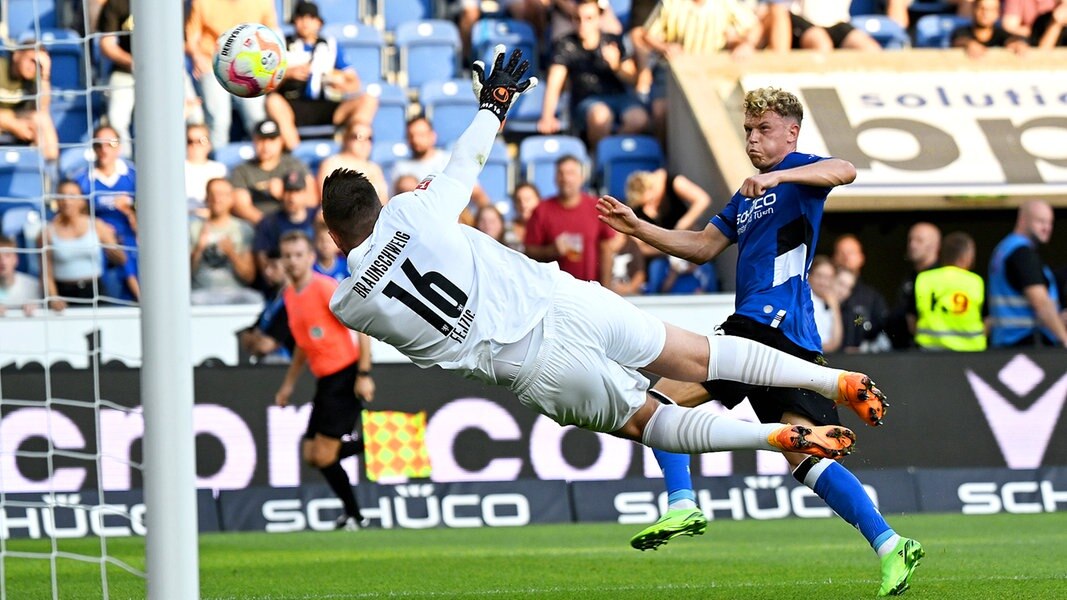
[949, 301]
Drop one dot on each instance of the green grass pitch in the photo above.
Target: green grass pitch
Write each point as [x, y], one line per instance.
[1003, 556]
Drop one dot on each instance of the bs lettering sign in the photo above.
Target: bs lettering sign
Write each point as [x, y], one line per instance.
[917, 134]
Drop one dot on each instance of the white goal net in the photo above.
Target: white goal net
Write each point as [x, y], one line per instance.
[79, 458]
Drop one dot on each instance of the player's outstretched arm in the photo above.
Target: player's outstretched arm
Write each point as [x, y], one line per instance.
[496, 94]
[696, 246]
[828, 173]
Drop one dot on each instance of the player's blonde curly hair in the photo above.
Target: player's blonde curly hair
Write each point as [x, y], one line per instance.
[779, 101]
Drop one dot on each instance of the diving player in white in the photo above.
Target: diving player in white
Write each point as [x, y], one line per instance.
[447, 295]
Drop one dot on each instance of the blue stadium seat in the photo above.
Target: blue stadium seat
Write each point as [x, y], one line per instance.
[21, 172]
[21, 15]
[13, 219]
[67, 51]
[390, 122]
[74, 160]
[450, 106]
[523, 116]
[13, 216]
[497, 176]
[74, 120]
[333, 12]
[392, 14]
[887, 32]
[429, 50]
[621, 8]
[487, 33]
[313, 152]
[935, 31]
[619, 155]
[362, 47]
[386, 155]
[537, 159]
[234, 153]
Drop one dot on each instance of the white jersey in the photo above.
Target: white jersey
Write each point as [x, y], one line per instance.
[439, 292]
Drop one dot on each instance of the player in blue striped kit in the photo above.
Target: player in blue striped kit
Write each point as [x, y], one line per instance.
[774, 218]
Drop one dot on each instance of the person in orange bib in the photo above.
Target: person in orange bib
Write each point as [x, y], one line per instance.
[341, 367]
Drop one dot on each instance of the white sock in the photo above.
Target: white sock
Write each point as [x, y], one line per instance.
[683, 503]
[888, 545]
[691, 431]
[740, 359]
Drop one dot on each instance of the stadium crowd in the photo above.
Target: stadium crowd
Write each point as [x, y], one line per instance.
[251, 180]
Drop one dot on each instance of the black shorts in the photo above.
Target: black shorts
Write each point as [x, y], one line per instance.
[838, 32]
[313, 112]
[771, 402]
[335, 408]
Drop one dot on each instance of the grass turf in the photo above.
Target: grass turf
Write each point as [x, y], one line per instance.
[1000, 556]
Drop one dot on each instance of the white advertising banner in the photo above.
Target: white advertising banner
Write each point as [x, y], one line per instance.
[998, 133]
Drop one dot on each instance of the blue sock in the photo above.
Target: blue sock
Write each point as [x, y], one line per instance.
[844, 493]
[676, 476]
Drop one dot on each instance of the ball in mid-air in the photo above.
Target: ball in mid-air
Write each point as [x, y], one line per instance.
[250, 60]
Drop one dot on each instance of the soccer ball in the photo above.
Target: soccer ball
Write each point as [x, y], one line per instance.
[250, 60]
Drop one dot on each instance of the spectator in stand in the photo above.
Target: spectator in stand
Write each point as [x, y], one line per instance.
[948, 306]
[268, 340]
[825, 301]
[111, 183]
[628, 274]
[329, 260]
[320, 87]
[199, 169]
[864, 309]
[208, 19]
[295, 212]
[601, 76]
[1041, 22]
[566, 229]
[259, 180]
[777, 23]
[669, 200]
[26, 95]
[710, 27]
[824, 26]
[116, 18]
[1024, 301]
[427, 158]
[924, 244]
[673, 275]
[985, 32]
[524, 199]
[221, 252]
[17, 290]
[72, 243]
[405, 182]
[355, 154]
[556, 17]
[601, 79]
[489, 221]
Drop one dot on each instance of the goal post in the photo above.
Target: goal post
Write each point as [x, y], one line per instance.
[171, 553]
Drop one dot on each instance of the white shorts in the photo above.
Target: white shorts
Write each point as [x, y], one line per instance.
[583, 368]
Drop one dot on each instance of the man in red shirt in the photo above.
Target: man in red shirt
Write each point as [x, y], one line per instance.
[566, 228]
[340, 365]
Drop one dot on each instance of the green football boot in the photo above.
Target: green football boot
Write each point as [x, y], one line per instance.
[898, 565]
[673, 523]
